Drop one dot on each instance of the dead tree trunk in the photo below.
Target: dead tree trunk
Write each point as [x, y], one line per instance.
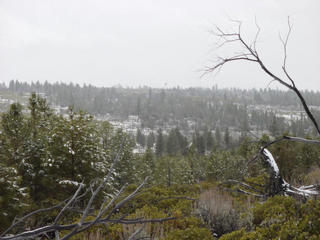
[277, 185]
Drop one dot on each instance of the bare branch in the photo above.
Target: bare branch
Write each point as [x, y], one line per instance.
[249, 193]
[253, 56]
[52, 228]
[120, 204]
[132, 237]
[69, 203]
[22, 219]
[244, 185]
[83, 224]
[256, 37]
[224, 61]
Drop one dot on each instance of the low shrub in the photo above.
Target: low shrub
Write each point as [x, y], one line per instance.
[282, 218]
[216, 208]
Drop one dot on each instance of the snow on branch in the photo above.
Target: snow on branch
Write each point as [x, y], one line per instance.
[269, 158]
[250, 53]
[280, 186]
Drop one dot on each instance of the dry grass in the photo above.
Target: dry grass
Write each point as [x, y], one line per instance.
[93, 235]
[313, 177]
[216, 208]
[149, 231]
[216, 201]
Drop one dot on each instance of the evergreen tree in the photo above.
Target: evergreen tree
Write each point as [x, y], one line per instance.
[227, 139]
[147, 167]
[150, 140]
[245, 123]
[160, 144]
[218, 136]
[76, 147]
[182, 140]
[209, 141]
[173, 146]
[13, 198]
[120, 149]
[32, 167]
[274, 126]
[201, 143]
[140, 138]
[138, 110]
[14, 133]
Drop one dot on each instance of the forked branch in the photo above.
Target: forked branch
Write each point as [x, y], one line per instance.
[104, 216]
[250, 54]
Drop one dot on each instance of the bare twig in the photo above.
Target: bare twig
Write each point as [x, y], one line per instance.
[132, 237]
[69, 203]
[83, 224]
[251, 55]
[22, 219]
[52, 228]
[277, 184]
[244, 185]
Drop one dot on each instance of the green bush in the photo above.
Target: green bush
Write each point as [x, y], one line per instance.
[192, 233]
[282, 218]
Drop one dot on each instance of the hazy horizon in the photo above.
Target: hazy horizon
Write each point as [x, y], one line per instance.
[161, 44]
[277, 88]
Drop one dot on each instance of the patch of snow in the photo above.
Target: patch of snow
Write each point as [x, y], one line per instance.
[69, 182]
[271, 161]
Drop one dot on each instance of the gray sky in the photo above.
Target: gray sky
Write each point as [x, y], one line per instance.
[154, 43]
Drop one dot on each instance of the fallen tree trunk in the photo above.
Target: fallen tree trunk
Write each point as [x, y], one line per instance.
[278, 186]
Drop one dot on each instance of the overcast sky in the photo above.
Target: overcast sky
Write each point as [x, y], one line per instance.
[163, 43]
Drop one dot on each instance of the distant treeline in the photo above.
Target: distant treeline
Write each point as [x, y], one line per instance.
[210, 108]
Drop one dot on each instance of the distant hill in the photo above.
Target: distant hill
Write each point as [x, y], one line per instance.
[189, 109]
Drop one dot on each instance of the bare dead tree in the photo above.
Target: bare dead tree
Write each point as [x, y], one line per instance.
[249, 53]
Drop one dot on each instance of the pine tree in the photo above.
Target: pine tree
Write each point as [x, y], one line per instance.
[201, 144]
[147, 167]
[274, 126]
[13, 198]
[210, 141]
[160, 144]
[140, 138]
[32, 167]
[227, 139]
[121, 148]
[150, 140]
[182, 140]
[76, 148]
[14, 129]
[218, 136]
[173, 146]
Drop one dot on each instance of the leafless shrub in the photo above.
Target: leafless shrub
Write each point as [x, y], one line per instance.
[313, 177]
[216, 208]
